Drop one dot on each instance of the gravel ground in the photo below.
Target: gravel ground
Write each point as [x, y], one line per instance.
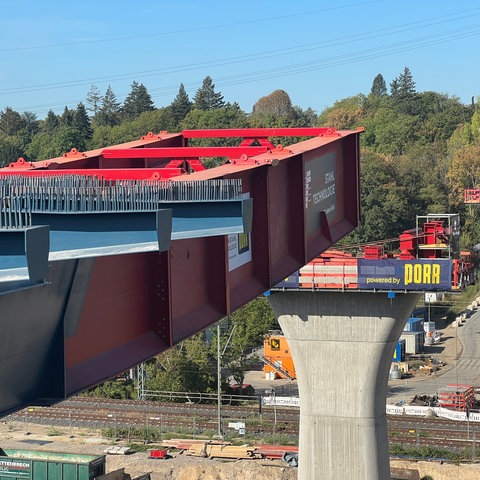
[21, 436]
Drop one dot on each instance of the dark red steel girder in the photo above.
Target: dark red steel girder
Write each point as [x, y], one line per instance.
[114, 312]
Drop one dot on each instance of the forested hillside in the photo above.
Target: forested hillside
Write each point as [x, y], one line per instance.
[420, 150]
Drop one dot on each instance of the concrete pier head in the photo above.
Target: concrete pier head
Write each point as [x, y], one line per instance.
[342, 346]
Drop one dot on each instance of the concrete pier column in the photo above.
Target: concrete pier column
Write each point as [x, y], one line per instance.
[342, 346]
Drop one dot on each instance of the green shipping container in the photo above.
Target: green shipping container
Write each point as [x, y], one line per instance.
[37, 465]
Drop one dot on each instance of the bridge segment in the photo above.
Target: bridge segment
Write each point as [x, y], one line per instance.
[93, 316]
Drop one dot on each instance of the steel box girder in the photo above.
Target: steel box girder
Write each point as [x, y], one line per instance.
[199, 281]
[110, 313]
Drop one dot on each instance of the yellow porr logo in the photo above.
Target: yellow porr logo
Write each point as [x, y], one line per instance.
[422, 273]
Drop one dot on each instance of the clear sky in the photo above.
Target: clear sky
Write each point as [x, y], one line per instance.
[52, 52]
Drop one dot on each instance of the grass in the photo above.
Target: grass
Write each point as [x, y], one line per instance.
[153, 435]
[424, 452]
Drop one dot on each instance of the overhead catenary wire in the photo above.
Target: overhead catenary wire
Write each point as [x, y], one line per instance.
[284, 69]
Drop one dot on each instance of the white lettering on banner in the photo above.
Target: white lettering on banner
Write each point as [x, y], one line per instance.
[438, 411]
[308, 187]
[326, 192]
[323, 194]
[281, 401]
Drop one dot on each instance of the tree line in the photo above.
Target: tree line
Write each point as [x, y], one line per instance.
[103, 120]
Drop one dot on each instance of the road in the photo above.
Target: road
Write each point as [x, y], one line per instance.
[462, 342]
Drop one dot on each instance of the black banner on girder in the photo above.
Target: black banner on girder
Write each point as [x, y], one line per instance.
[386, 274]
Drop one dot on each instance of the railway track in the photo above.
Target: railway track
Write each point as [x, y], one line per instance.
[197, 419]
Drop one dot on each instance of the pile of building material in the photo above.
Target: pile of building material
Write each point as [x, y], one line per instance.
[275, 452]
[184, 444]
[457, 397]
[210, 450]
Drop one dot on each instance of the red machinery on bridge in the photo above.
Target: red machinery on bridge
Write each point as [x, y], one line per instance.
[428, 258]
[111, 256]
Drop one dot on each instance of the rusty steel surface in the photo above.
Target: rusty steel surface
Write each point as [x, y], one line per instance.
[113, 312]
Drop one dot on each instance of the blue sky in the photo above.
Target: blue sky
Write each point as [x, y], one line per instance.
[51, 53]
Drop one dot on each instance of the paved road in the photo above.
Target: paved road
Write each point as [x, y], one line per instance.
[462, 342]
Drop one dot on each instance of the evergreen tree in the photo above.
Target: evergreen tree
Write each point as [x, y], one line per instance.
[181, 105]
[68, 137]
[403, 86]
[379, 87]
[109, 112]
[81, 121]
[137, 102]
[206, 98]
[11, 122]
[11, 148]
[51, 122]
[31, 124]
[404, 94]
[394, 88]
[66, 120]
[94, 99]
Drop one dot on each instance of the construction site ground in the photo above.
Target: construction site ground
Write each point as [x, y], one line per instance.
[17, 435]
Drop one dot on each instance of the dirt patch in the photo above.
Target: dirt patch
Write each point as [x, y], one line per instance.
[25, 436]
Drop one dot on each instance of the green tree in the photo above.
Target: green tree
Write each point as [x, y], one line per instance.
[386, 208]
[227, 117]
[278, 104]
[187, 367]
[137, 102]
[464, 172]
[344, 114]
[154, 121]
[389, 131]
[81, 121]
[181, 105]
[306, 118]
[403, 92]
[51, 122]
[379, 87]
[31, 124]
[118, 388]
[109, 111]
[248, 326]
[11, 148]
[11, 122]
[94, 100]
[43, 147]
[206, 98]
[47, 145]
[403, 86]
[69, 137]
[66, 119]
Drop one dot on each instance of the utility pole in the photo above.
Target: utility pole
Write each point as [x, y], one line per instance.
[219, 377]
[219, 385]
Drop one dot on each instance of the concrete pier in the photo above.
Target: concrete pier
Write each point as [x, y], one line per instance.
[342, 346]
